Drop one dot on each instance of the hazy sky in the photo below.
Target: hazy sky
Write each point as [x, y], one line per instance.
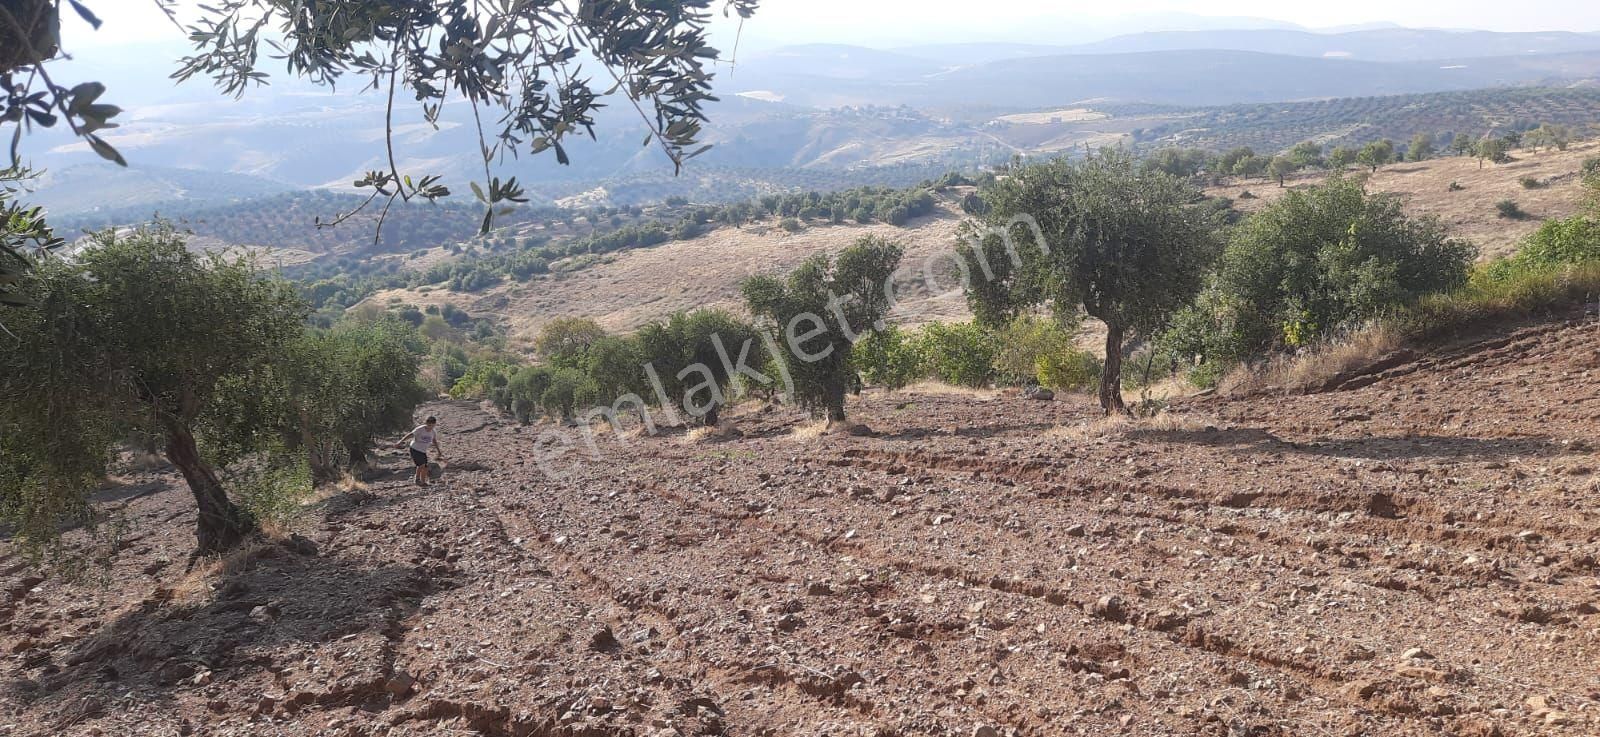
[1037, 21]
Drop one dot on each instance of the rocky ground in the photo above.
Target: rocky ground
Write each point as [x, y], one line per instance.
[1416, 556]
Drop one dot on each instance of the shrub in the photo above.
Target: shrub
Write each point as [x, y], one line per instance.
[888, 358]
[1069, 371]
[1510, 210]
[272, 487]
[972, 204]
[1591, 171]
[1315, 261]
[482, 377]
[962, 354]
[1025, 342]
[1567, 241]
[1457, 187]
[790, 225]
[1531, 182]
[560, 398]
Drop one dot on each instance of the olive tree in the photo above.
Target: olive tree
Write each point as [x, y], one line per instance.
[23, 233]
[1376, 154]
[694, 356]
[820, 311]
[136, 335]
[1421, 148]
[1125, 245]
[522, 67]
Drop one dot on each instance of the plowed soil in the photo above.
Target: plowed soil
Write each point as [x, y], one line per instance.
[1413, 557]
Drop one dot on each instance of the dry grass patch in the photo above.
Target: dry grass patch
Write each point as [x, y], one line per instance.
[1118, 426]
[941, 389]
[721, 431]
[1315, 366]
[1097, 429]
[197, 583]
[810, 431]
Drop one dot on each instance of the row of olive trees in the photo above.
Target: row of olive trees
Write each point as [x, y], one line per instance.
[802, 343]
[1245, 162]
[138, 338]
[1133, 247]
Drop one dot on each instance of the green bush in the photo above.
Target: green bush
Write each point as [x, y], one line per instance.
[1531, 182]
[1025, 342]
[1314, 261]
[1567, 241]
[1591, 171]
[962, 354]
[1069, 371]
[482, 377]
[888, 358]
[560, 399]
[1498, 292]
[1510, 210]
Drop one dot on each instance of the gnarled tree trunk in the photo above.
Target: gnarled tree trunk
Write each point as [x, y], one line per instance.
[1111, 376]
[221, 524]
[835, 405]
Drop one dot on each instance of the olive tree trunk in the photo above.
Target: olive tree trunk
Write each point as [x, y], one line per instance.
[221, 525]
[835, 404]
[1111, 376]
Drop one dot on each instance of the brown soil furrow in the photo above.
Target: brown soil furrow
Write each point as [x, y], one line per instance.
[664, 619]
[1396, 515]
[1172, 629]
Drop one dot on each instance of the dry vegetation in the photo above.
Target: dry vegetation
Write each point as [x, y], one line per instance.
[628, 289]
[1470, 212]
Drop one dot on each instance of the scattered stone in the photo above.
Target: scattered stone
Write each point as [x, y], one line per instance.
[1417, 653]
[984, 730]
[401, 685]
[604, 641]
[1110, 607]
[1039, 394]
[818, 588]
[301, 545]
[790, 622]
[1075, 531]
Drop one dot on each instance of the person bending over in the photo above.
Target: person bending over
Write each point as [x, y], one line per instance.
[423, 439]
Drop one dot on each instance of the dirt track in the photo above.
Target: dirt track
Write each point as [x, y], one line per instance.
[1416, 557]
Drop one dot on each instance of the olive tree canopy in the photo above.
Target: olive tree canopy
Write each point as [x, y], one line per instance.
[533, 71]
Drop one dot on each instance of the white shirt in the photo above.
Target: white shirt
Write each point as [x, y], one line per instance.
[422, 438]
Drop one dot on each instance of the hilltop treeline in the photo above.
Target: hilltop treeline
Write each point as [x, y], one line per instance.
[1247, 163]
[578, 237]
[1357, 121]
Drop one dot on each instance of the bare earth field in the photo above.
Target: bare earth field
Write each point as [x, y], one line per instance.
[1470, 213]
[1414, 557]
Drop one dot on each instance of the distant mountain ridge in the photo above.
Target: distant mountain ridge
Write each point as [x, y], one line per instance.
[1388, 44]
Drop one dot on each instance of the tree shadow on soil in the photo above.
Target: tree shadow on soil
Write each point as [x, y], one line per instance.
[1374, 448]
[272, 604]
